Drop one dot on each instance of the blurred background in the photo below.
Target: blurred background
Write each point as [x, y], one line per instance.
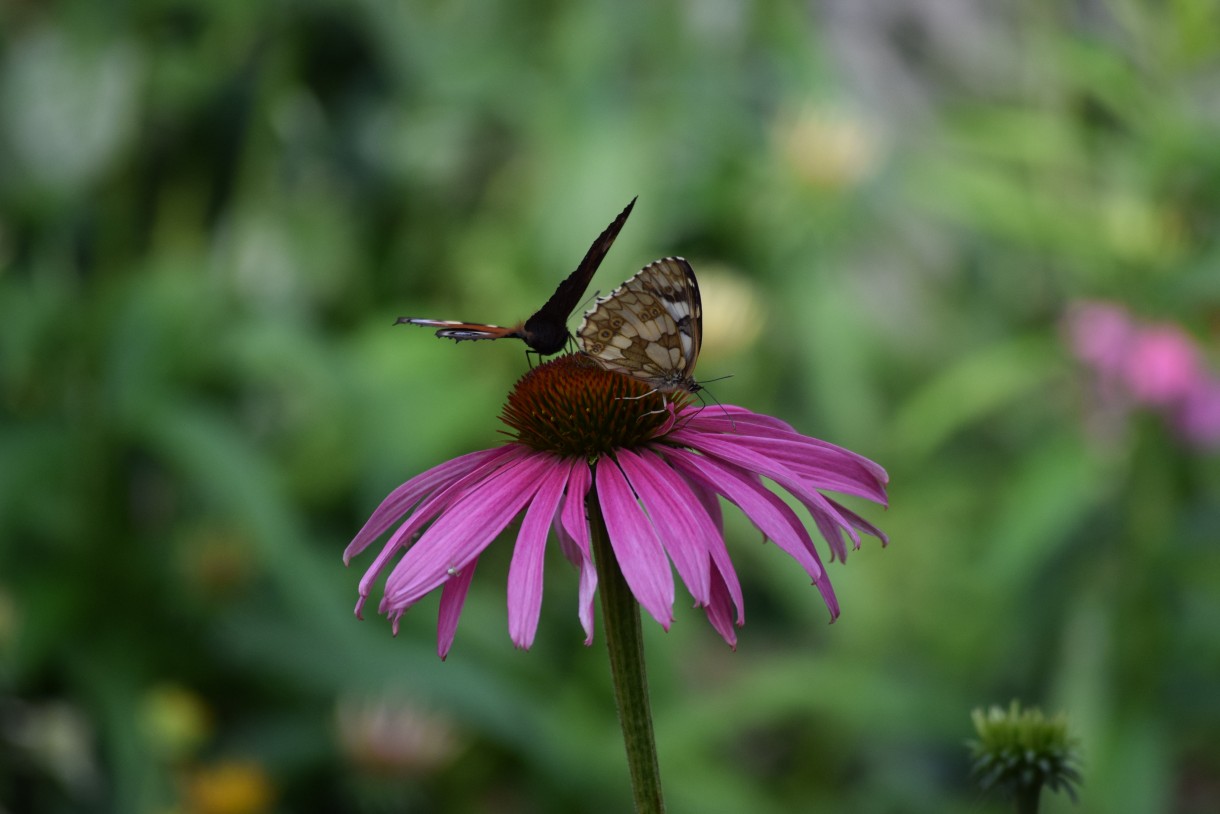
[974, 242]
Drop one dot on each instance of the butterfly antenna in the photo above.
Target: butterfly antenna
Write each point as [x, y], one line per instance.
[727, 414]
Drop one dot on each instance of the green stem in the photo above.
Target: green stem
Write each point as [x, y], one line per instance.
[621, 620]
[1027, 799]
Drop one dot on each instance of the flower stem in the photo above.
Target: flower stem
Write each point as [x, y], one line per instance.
[1027, 799]
[624, 640]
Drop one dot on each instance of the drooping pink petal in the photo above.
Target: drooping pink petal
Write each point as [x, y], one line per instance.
[827, 467]
[640, 555]
[772, 516]
[832, 533]
[860, 523]
[704, 536]
[464, 530]
[764, 508]
[575, 524]
[525, 570]
[679, 527]
[720, 611]
[588, 572]
[453, 597]
[710, 501]
[573, 515]
[728, 417]
[431, 506]
[588, 589]
[567, 546]
[798, 448]
[753, 461]
[405, 496]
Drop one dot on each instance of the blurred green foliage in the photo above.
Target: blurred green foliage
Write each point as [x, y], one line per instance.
[210, 215]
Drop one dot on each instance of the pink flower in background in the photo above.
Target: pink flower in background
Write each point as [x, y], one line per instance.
[1100, 334]
[1155, 365]
[658, 478]
[1162, 365]
[1198, 415]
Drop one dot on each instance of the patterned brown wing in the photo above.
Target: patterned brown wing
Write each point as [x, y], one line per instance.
[650, 327]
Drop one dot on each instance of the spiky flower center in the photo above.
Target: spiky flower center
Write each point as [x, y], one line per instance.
[573, 407]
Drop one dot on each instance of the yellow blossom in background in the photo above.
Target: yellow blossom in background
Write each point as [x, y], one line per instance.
[176, 721]
[733, 313]
[828, 148]
[232, 787]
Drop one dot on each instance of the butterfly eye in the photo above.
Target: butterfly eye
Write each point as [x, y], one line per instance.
[616, 323]
[605, 334]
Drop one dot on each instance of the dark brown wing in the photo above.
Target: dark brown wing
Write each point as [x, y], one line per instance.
[546, 332]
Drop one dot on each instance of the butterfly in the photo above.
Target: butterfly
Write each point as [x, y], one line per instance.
[650, 327]
[546, 332]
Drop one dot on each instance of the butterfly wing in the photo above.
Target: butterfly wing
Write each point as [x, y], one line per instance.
[459, 331]
[650, 327]
[547, 330]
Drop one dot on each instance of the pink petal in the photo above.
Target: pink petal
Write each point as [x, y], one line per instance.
[566, 544]
[752, 461]
[588, 588]
[765, 509]
[825, 468]
[710, 501]
[860, 523]
[453, 597]
[728, 417]
[467, 526]
[720, 611]
[575, 523]
[425, 511]
[678, 527]
[705, 534]
[588, 571]
[406, 495]
[743, 487]
[640, 555]
[573, 515]
[525, 570]
[800, 447]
